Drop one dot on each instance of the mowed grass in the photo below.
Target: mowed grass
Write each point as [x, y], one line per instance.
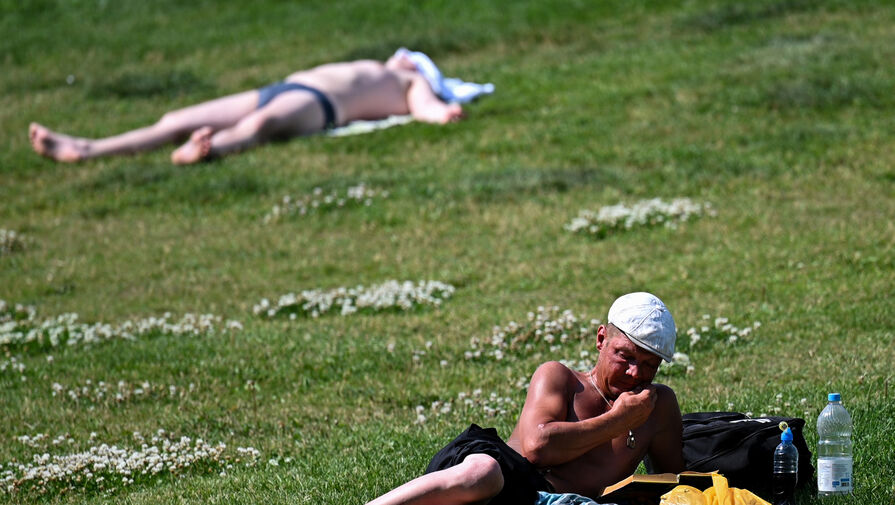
[778, 113]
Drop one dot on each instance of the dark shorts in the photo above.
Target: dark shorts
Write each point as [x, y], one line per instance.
[521, 480]
[268, 93]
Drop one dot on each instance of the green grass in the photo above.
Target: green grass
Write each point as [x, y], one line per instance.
[780, 113]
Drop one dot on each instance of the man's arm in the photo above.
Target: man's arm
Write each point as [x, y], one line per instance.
[666, 450]
[544, 435]
[425, 106]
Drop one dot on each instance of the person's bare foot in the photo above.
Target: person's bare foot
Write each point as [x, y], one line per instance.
[56, 145]
[195, 149]
[453, 112]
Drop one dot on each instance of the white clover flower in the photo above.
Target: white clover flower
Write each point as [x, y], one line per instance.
[359, 195]
[10, 242]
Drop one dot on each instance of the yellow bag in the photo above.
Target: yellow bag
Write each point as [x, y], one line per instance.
[684, 495]
[719, 494]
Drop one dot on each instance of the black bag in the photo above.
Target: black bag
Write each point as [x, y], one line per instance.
[742, 448]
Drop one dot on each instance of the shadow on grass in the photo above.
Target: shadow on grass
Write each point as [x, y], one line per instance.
[457, 41]
[729, 16]
[132, 84]
[827, 91]
[149, 185]
[510, 183]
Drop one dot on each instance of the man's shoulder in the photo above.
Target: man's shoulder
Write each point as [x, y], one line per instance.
[663, 390]
[554, 372]
[554, 367]
[666, 401]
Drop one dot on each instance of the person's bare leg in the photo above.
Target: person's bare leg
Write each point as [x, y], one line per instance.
[425, 106]
[219, 113]
[290, 114]
[476, 479]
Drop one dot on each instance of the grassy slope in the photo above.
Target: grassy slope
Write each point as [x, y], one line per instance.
[780, 113]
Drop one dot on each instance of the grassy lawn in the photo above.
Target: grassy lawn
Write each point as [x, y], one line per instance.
[779, 114]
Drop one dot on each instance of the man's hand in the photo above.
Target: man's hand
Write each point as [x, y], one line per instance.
[635, 406]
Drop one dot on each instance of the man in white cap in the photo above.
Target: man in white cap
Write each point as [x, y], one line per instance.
[579, 431]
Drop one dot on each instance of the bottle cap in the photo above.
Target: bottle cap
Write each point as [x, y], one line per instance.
[834, 397]
[786, 436]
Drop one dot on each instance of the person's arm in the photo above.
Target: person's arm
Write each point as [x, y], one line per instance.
[547, 439]
[666, 450]
[425, 106]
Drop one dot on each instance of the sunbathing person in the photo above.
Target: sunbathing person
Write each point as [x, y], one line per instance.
[306, 102]
[578, 431]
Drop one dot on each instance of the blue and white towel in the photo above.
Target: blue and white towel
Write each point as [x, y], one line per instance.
[449, 89]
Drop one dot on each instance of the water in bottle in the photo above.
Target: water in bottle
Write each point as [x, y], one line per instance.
[834, 449]
[786, 470]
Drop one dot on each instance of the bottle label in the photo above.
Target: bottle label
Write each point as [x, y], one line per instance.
[834, 474]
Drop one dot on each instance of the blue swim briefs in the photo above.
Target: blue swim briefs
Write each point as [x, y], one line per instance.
[268, 93]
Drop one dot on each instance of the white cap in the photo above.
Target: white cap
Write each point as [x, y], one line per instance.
[646, 321]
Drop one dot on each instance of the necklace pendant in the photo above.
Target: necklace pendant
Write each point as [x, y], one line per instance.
[630, 442]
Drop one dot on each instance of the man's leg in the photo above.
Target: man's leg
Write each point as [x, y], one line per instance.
[290, 114]
[477, 479]
[216, 114]
[425, 106]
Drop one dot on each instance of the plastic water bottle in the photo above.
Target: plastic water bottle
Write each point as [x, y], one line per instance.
[834, 449]
[786, 470]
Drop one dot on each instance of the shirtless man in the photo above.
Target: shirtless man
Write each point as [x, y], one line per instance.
[578, 432]
[306, 102]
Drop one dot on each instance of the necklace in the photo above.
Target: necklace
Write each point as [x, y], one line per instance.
[630, 442]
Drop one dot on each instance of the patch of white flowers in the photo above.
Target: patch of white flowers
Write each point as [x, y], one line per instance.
[102, 392]
[318, 201]
[679, 362]
[721, 330]
[12, 365]
[107, 467]
[781, 406]
[386, 296]
[19, 326]
[548, 330]
[711, 332]
[10, 241]
[614, 218]
[468, 404]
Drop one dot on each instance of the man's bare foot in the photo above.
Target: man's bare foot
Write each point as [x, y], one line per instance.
[195, 149]
[56, 145]
[453, 112]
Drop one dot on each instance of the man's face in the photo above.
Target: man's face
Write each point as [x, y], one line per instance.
[623, 365]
